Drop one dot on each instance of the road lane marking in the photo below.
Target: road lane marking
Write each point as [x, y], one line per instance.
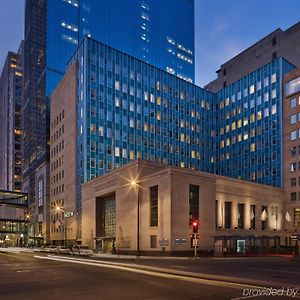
[151, 273]
[131, 268]
[275, 270]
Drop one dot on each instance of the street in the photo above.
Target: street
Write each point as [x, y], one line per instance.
[40, 276]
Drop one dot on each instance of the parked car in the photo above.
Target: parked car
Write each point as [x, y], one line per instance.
[81, 250]
[62, 250]
[50, 249]
[38, 249]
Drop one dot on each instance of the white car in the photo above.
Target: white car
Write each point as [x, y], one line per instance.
[62, 250]
[50, 249]
[81, 250]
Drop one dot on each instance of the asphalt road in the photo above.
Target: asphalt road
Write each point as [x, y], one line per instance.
[25, 276]
[275, 270]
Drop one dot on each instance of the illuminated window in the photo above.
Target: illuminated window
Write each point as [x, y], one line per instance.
[227, 102]
[274, 109]
[297, 217]
[101, 131]
[239, 123]
[145, 16]
[117, 85]
[251, 89]
[158, 101]
[273, 95]
[252, 147]
[182, 137]
[117, 151]
[245, 136]
[233, 126]
[131, 155]
[158, 115]
[252, 118]
[273, 78]
[259, 115]
[239, 138]
[151, 98]
[293, 167]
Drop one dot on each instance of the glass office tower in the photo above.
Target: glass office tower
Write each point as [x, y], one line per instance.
[129, 109]
[126, 109]
[158, 32]
[11, 82]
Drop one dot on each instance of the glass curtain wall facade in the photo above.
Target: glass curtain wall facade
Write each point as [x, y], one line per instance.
[158, 32]
[249, 119]
[128, 109]
[11, 83]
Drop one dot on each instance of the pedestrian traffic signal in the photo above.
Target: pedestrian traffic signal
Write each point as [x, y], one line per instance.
[195, 225]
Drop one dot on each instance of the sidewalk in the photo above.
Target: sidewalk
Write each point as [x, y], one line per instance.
[133, 257]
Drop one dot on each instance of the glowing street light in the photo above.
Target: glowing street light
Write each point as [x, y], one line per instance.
[67, 214]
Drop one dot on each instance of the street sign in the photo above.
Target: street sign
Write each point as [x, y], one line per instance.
[195, 242]
[295, 237]
[164, 242]
[180, 241]
[69, 214]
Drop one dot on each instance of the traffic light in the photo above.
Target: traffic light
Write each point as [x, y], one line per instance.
[195, 225]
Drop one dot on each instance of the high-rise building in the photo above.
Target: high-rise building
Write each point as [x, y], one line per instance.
[279, 43]
[159, 33]
[249, 144]
[112, 108]
[11, 82]
[291, 147]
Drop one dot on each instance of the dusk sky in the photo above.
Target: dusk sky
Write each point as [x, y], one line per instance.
[223, 28]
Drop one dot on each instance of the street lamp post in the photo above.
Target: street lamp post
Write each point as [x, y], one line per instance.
[135, 184]
[32, 224]
[67, 214]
